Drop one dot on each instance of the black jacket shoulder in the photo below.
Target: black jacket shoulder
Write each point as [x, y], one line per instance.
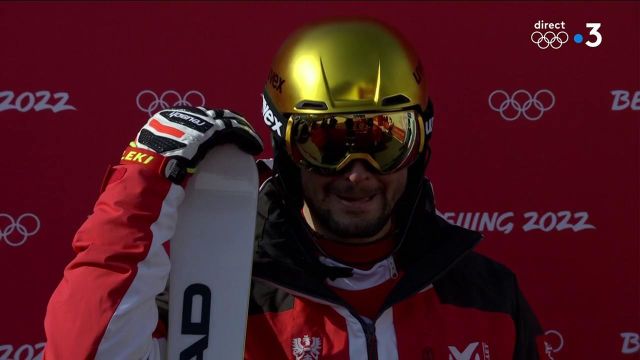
[479, 282]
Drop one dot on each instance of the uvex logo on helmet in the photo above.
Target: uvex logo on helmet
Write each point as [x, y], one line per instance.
[428, 126]
[276, 81]
[269, 118]
[417, 73]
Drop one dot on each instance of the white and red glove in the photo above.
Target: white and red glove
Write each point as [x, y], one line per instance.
[175, 140]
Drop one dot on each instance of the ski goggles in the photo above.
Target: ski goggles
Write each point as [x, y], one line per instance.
[327, 143]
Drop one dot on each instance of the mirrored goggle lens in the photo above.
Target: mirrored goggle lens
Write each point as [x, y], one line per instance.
[387, 141]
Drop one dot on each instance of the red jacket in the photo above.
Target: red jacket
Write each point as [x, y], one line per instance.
[451, 303]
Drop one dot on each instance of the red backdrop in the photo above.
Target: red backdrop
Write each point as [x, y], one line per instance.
[539, 148]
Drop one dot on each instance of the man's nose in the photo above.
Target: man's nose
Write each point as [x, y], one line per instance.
[358, 171]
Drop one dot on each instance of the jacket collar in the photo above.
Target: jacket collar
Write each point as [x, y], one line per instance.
[286, 256]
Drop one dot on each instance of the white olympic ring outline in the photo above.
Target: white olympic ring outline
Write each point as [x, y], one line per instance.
[544, 41]
[161, 103]
[16, 225]
[548, 346]
[510, 101]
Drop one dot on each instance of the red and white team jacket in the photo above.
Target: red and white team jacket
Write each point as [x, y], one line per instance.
[450, 303]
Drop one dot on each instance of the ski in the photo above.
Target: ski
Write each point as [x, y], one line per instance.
[211, 255]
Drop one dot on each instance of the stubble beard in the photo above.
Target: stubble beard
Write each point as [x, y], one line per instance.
[347, 227]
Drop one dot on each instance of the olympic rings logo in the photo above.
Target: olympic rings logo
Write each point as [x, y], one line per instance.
[149, 102]
[549, 348]
[522, 103]
[21, 226]
[549, 38]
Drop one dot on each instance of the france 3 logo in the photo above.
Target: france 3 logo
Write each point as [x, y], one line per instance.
[552, 35]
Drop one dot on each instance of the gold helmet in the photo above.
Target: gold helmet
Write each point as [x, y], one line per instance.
[346, 67]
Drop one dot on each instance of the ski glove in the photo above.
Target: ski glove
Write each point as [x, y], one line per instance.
[184, 135]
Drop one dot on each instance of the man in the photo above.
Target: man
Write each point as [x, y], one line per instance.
[351, 261]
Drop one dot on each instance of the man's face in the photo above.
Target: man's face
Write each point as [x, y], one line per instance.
[354, 206]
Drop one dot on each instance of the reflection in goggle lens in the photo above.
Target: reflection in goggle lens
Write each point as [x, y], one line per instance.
[328, 143]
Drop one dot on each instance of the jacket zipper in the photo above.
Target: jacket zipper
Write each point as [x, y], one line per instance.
[372, 341]
[369, 328]
[393, 270]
